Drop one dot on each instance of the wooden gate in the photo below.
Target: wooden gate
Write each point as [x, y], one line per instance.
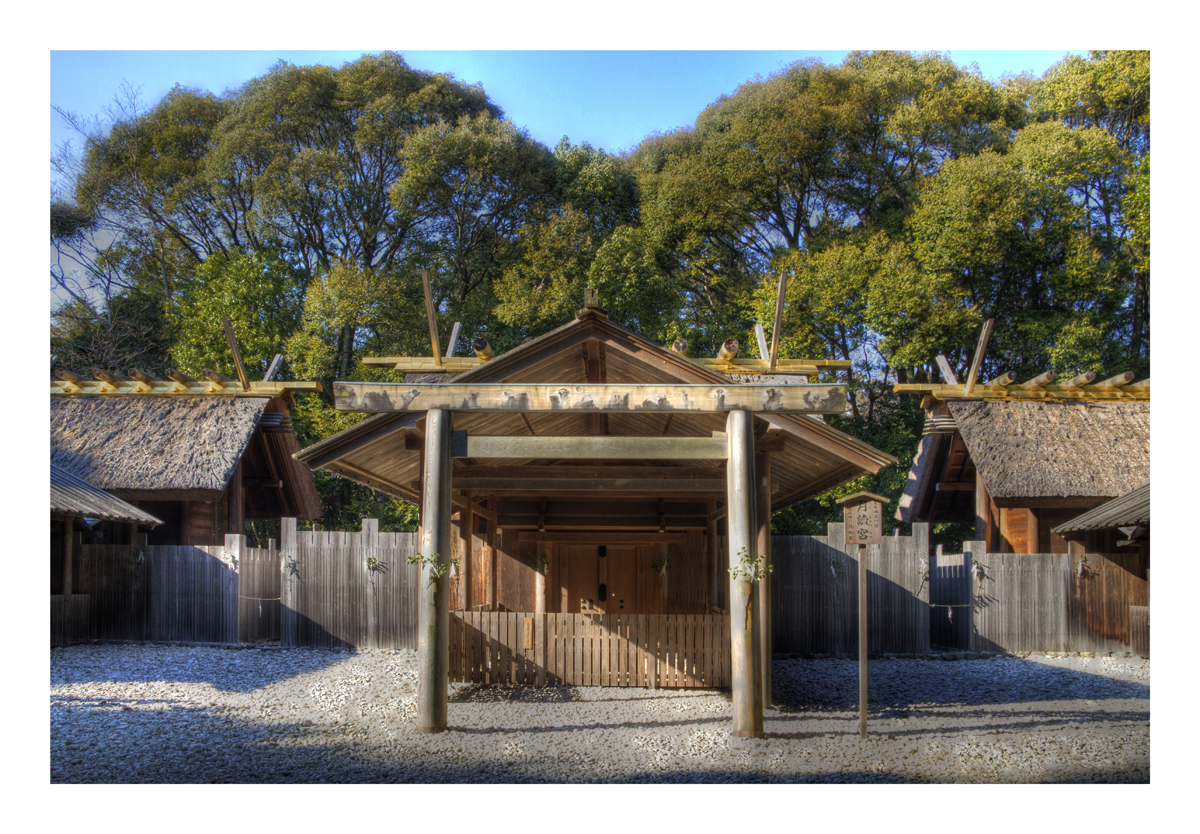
[651, 650]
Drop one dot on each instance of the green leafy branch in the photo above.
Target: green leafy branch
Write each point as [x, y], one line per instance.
[752, 568]
[437, 568]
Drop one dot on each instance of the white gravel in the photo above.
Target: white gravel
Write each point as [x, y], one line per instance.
[199, 714]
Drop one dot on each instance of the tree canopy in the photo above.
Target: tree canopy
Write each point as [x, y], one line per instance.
[906, 199]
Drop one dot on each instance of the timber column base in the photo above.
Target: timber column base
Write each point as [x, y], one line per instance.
[747, 733]
[431, 730]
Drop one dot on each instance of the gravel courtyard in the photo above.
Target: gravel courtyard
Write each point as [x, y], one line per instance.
[179, 714]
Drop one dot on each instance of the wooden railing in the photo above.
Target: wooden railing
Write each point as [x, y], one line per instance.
[650, 650]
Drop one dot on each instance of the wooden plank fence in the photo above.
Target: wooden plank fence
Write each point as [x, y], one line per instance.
[170, 594]
[258, 595]
[814, 593]
[653, 650]
[1058, 602]
[343, 589]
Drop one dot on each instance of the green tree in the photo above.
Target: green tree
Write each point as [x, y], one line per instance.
[260, 294]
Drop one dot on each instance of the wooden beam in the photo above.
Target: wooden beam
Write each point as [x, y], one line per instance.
[1026, 391]
[980, 349]
[1006, 378]
[381, 397]
[1117, 381]
[1081, 380]
[553, 473]
[453, 347]
[1042, 379]
[602, 448]
[740, 365]
[433, 333]
[954, 487]
[483, 350]
[777, 332]
[191, 388]
[217, 379]
[680, 346]
[947, 372]
[237, 354]
[605, 537]
[760, 336]
[592, 484]
[273, 368]
[729, 350]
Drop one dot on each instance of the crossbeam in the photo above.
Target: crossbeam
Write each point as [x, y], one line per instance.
[741, 365]
[100, 388]
[1137, 391]
[597, 448]
[377, 397]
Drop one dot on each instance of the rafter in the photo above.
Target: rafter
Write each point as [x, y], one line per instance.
[158, 388]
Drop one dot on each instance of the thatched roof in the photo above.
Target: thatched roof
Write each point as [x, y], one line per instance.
[72, 495]
[152, 443]
[1056, 449]
[1129, 510]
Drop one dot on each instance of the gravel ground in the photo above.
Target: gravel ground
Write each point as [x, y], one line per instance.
[199, 714]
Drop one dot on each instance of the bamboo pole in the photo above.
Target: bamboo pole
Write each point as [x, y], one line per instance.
[741, 533]
[433, 646]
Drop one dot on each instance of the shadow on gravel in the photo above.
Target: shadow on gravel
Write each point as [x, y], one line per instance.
[485, 693]
[938, 683]
[958, 721]
[236, 669]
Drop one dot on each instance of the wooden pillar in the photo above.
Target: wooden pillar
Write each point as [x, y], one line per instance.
[981, 508]
[539, 578]
[433, 616]
[289, 585]
[741, 530]
[237, 503]
[68, 558]
[490, 565]
[467, 520]
[861, 556]
[712, 559]
[762, 472]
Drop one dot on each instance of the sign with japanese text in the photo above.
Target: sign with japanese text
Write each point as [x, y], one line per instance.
[864, 521]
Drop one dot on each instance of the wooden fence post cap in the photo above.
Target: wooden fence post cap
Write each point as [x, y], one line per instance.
[866, 496]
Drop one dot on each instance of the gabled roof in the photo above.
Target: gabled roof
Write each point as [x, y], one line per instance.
[1129, 510]
[180, 448]
[1056, 449]
[1030, 450]
[73, 496]
[152, 443]
[815, 457]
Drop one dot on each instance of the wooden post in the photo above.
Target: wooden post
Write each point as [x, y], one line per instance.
[539, 579]
[370, 557]
[433, 613]
[467, 521]
[762, 467]
[741, 533]
[711, 558]
[661, 552]
[237, 502]
[68, 559]
[289, 622]
[235, 547]
[862, 640]
[863, 514]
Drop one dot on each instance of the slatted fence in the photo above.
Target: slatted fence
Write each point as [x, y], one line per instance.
[1057, 602]
[814, 593]
[950, 598]
[344, 589]
[669, 651]
[258, 595]
[182, 594]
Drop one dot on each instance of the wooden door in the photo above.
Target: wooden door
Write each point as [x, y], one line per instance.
[582, 580]
[621, 580]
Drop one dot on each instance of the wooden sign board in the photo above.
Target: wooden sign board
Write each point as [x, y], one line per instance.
[529, 632]
[863, 514]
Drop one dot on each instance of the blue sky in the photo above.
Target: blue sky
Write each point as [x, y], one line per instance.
[611, 99]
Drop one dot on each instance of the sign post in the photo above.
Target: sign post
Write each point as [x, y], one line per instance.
[863, 515]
